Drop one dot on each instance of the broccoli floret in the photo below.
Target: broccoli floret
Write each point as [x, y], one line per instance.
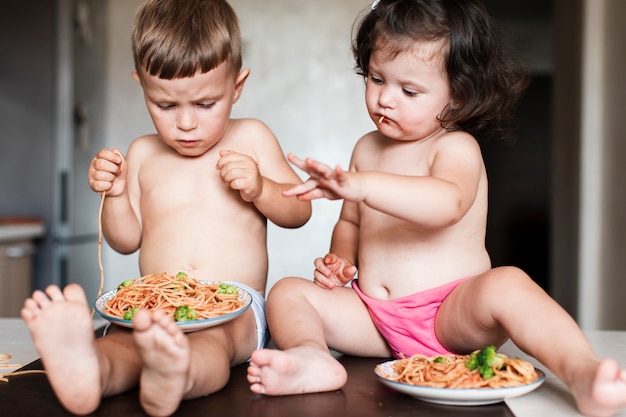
[440, 359]
[485, 360]
[184, 313]
[226, 289]
[129, 314]
[126, 283]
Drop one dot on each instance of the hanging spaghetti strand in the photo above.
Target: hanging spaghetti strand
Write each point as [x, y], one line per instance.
[93, 310]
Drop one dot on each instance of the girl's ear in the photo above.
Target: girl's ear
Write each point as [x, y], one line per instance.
[239, 82]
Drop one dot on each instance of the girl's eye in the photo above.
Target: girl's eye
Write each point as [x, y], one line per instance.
[205, 105]
[409, 93]
[376, 80]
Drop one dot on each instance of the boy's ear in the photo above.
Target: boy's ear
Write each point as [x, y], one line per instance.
[239, 82]
[136, 77]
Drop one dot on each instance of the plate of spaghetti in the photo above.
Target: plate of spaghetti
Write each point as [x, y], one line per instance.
[483, 377]
[194, 304]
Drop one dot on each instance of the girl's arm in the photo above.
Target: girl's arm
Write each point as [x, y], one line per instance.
[437, 199]
[339, 266]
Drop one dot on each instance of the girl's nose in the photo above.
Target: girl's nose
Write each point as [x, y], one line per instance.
[385, 98]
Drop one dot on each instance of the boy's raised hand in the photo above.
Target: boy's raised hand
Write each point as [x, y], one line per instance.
[241, 173]
[107, 172]
[332, 271]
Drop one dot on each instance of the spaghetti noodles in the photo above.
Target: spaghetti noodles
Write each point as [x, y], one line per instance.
[452, 371]
[167, 293]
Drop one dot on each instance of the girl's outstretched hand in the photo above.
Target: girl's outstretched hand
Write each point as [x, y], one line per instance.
[332, 271]
[323, 182]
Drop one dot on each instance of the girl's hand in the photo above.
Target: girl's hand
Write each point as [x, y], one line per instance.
[323, 182]
[241, 173]
[107, 172]
[332, 271]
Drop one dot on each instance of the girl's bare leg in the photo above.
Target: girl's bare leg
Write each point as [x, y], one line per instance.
[62, 331]
[304, 363]
[506, 302]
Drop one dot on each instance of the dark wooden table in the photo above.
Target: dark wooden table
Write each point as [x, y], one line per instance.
[363, 396]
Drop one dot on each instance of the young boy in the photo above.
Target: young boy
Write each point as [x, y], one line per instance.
[414, 221]
[195, 198]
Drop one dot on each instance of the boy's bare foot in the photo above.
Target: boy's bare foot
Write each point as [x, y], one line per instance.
[62, 331]
[606, 395]
[164, 350]
[294, 371]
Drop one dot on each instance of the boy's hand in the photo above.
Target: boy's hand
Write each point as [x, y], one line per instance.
[241, 173]
[107, 172]
[323, 182]
[332, 271]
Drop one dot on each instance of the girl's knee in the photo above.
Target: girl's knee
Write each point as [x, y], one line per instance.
[287, 287]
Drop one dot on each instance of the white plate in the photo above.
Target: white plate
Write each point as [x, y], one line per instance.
[186, 326]
[456, 396]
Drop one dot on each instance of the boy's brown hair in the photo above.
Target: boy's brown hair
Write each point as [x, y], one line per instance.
[177, 38]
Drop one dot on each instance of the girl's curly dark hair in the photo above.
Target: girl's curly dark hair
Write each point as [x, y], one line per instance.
[485, 81]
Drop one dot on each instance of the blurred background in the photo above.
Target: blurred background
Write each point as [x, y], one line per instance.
[556, 191]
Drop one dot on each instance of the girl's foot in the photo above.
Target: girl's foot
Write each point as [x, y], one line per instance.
[294, 371]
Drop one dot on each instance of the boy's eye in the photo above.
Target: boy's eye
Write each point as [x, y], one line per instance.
[205, 105]
[165, 106]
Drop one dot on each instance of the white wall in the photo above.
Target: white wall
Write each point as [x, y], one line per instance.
[302, 85]
[603, 220]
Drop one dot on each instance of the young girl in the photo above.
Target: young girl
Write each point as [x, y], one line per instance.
[414, 219]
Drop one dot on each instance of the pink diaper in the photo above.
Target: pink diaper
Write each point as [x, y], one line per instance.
[408, 323]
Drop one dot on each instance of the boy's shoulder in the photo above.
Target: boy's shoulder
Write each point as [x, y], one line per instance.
[248, 124]
[249, 130]
[146, 143]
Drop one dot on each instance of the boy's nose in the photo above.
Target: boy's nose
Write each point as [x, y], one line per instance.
[186, 120]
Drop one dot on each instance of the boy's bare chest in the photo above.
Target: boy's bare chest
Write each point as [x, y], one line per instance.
[193, 182]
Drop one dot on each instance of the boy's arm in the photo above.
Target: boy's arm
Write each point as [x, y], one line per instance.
[260, 172]
[120, 225]
[109, 173]
[282, 211]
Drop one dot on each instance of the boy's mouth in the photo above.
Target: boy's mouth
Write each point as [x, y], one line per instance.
[188, 142]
